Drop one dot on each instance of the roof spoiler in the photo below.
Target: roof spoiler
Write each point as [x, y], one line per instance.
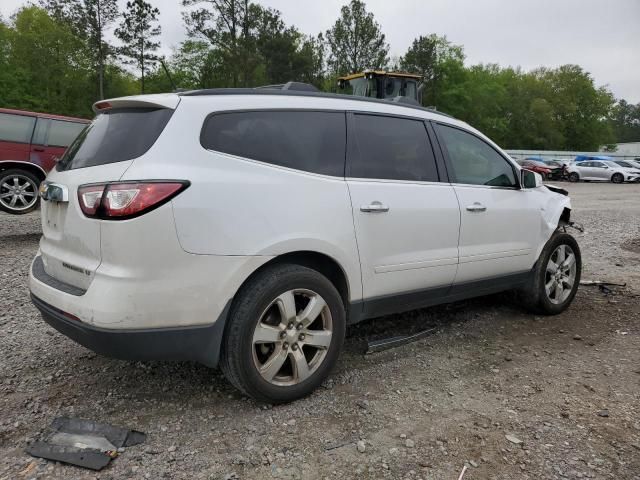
[164, 100]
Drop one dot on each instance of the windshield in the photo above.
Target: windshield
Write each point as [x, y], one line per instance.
[356, 86]
[115, 136]
[398, 86]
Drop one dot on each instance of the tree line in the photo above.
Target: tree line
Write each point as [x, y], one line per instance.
[57, 57]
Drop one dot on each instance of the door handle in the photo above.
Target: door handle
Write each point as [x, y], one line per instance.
[476, 207]
[374, 207]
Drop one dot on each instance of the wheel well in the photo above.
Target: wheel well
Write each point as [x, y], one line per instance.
[319, 262]
[565, 217]
[28, 167]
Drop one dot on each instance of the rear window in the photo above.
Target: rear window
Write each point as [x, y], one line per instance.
[304, 140]
[16, 128]
[115, 136]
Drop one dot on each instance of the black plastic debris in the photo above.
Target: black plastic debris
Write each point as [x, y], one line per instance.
[83, 443]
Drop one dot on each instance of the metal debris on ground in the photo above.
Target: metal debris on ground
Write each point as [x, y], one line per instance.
[83, 443]
[575, 226]
[374, 346]
[595, 283]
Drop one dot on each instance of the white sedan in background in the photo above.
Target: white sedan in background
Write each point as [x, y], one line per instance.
[602, 170]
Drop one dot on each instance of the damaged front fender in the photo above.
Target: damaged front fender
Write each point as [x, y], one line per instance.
[556, 212]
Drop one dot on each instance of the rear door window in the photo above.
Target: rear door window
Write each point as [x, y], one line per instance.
[305, 140]
[62, 134]
[392, 148]
[16, 128]
[114, 136]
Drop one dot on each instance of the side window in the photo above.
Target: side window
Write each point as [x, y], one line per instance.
[392, 148]
[42, 131]
[310, 141]
[16, 128]
[473, 161]
[62, 133]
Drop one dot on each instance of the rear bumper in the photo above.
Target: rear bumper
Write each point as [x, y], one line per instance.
[200, 343]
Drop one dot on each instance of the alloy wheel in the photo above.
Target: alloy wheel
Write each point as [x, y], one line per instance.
[18, 192]
[292, 337]
[560, 275]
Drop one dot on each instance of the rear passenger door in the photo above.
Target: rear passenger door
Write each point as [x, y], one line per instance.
[406, 220]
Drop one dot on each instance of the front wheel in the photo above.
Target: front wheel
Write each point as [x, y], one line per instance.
[617, 178]
[284, 334]
[555, 277]
[574, 177]
[18, 191]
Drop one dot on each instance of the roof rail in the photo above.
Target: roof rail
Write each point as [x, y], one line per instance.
[293, 86]
[298, 93]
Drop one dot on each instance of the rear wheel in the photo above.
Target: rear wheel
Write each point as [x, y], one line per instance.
[556, 276]
[284, 335]
[574, 177]
[617, 178]
[18, 191]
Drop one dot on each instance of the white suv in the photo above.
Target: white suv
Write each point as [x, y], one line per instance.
[249, 227]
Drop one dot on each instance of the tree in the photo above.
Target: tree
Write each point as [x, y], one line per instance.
[356, 41]
[432, 56]
[251, 45]
[89, 19]
[225, 24]
[136, 32]
[580, 108]
[625, 121]
[47, 67]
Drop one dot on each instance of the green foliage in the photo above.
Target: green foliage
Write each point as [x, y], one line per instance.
[545, 109]
[136, 32]
[356, 41]
[624, 121]
[437, 60]
[88, 19]
[47, 65]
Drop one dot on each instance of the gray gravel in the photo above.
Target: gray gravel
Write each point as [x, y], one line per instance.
[507, 394]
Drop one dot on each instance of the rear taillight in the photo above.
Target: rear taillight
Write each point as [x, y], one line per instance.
[122, 200]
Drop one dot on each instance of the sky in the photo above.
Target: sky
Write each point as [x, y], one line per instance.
[602, 36]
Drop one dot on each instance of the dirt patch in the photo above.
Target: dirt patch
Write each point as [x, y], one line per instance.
[632, 245]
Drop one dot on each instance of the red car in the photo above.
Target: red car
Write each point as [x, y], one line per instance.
[537, 166]
[29, 145]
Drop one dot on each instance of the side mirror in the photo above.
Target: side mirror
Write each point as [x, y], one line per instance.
[529, 179]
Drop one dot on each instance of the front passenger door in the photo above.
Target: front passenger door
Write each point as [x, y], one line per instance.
[599, 171]
[500, 223]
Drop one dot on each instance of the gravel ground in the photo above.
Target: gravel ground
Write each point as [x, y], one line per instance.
[508, 394]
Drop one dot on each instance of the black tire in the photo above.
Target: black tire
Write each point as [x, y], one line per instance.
[574, 177]
[534, 295]
[25, 178]
[253, 299]
[617, 178]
